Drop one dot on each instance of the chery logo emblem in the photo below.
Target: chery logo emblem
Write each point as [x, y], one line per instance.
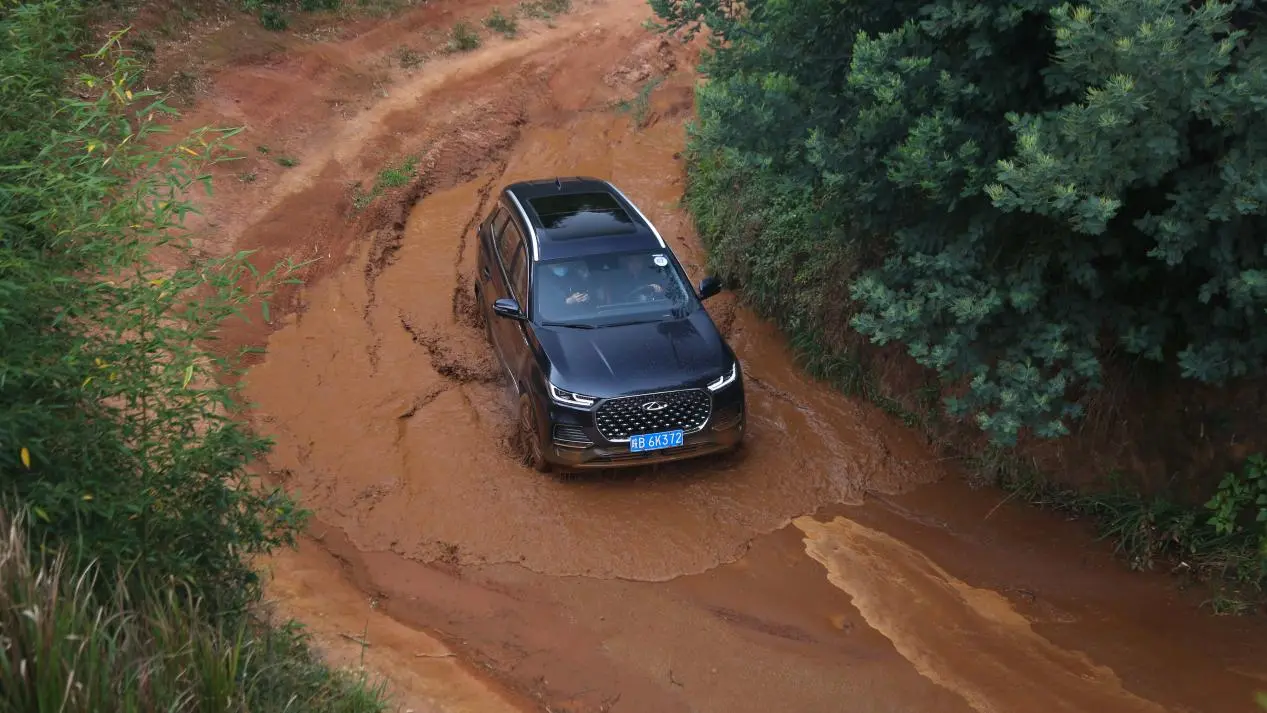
[654, 406]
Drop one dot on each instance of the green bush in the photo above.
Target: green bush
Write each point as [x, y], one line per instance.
[462, 38]
[272, 18]
[147, 647]
[272, 13]
[1025, 191]
[544, 9]
[114, 428]
[116, 435]
[505, 24]
[1240, 505]
[640, 106]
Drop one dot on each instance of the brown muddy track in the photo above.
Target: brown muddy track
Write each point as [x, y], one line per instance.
[833, 565]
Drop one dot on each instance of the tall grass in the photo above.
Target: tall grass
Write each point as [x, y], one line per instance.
[127, 585]
[148, 647]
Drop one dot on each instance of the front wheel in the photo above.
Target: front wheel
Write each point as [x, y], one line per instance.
[530, 437]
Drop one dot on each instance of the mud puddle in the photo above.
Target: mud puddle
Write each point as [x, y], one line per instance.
[422, 675]
[700, 586]
[401, 436]
[1031, 594]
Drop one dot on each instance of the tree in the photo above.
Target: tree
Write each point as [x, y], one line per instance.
[1031, 187]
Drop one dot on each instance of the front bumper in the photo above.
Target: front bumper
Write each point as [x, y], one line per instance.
[567, 448]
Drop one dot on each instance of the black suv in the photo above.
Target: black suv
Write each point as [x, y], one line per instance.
[614, 359]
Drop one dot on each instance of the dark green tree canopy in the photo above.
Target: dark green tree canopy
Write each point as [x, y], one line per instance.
[1037, 185]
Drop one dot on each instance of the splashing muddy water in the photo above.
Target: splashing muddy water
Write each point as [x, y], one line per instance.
[683, 588]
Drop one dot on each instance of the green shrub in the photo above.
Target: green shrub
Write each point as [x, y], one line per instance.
[272, 13]
[1240, 505]
[114, 428]
[397, 176]
[272, 18]
[497, 22]
[116, 435]
[409, 57]
[1026, 192]
[640, 105]
[544, 9]
[462, 38]
[556, 7]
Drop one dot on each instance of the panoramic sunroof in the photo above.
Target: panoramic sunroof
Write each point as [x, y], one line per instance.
[581, 215]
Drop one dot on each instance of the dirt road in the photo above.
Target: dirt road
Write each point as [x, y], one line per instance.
[834, 565]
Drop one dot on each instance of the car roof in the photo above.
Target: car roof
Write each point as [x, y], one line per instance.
[576, 216]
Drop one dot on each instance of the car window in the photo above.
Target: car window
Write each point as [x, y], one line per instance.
[498, 223]
[507, 240]
[606, 290]
[519, 273]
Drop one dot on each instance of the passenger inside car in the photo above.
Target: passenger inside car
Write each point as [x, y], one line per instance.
[565, 288]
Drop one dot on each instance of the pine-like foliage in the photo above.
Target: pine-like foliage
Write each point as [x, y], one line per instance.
[1032, 186]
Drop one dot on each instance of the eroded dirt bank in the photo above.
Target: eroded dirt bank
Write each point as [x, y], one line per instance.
[824, 568]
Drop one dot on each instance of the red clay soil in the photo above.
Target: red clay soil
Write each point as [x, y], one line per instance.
[831, 565]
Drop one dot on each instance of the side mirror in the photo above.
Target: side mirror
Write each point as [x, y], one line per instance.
[708, 287]
[508, 308]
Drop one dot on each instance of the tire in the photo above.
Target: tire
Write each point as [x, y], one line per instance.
[530, 437]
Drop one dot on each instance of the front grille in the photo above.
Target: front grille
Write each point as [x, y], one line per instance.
[618, 419]
[569, 435]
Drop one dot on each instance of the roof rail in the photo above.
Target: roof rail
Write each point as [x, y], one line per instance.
[532, 232]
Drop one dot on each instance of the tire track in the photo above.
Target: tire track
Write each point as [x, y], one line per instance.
[465, 310]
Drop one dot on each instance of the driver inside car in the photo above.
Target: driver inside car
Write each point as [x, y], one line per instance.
[637, 282]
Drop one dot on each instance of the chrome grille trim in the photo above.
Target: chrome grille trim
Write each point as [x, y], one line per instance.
[619, 418]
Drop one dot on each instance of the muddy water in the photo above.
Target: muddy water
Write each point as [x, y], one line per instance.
[422, 674]
[400, 437]
[700, 586]
[928, 614]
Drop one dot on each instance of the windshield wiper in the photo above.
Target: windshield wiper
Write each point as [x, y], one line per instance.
[569, 325]
[631, 322]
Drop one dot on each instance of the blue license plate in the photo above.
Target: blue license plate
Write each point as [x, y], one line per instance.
[655, 441]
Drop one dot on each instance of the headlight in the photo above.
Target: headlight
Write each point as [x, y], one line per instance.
[725, 380]
[567, 398]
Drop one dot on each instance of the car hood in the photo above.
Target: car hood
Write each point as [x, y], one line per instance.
[636, 358]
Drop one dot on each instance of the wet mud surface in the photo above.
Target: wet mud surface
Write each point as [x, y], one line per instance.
[834, 564]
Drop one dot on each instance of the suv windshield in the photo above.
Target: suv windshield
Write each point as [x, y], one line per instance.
[608, 290]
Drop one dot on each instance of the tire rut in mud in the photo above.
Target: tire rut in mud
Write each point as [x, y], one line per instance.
[465, 310]
[461, 149]
[455, 157]
[463, 367]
